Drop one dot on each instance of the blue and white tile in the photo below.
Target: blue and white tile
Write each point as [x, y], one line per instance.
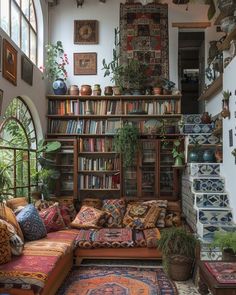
[204, 185]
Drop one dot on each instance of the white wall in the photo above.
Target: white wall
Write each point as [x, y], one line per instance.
[62, 19]
[33, 95]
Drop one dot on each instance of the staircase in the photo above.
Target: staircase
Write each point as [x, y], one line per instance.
[204, 199]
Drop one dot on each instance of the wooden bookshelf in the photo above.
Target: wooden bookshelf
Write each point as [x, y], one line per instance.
[214, 88]
[92, 121]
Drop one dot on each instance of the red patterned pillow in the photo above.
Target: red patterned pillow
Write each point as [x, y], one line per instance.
[116, 208]
[52, 218]
[88, 217]
[65, 213]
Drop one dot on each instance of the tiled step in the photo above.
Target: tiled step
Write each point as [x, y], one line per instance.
[192, 119]
[206, 231]
[214, 216]
[203, 169]
[208, 253]
[212, 200]
[208, 185]
[203, 138]
[197, 128]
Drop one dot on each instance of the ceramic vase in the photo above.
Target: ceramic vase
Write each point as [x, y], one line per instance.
[74, 90]
[193, 156]
[108, 90]
[85, 90]
[59, 87]
[208, 156]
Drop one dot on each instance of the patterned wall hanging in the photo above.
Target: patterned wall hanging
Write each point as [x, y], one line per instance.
[144, 36]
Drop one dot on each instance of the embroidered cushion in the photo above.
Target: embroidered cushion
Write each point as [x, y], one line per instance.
[16, 243]
[65, 213]
[141, 216]
[152, 235]
[5, 249]
[162, 204]
[17, 203]
[139, 238]
[88, 217]
[85, 238]
[7, 214]
[31, 223]
[116, 208]
[52, 218]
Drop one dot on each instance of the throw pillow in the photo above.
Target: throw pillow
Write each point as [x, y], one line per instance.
[5, 249]
[92, 202]
[52, 218]
[16, 203]
[152, 235]
[141, 216]
[88, 217]
[31, 223]
[116, 208]
[7, 214]
[65, 213]
[16, 243]
[162, 204]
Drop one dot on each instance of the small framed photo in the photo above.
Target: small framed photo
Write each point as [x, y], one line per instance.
[231, 137]
[85, 32]
[85, 63]
[1, 100]
[9, 62]
[26, 70]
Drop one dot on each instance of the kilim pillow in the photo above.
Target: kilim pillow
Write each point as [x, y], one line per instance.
[5, 249]
[152, 235]
[88, 217]
[65, 213]
[31, 223]
[116, 208]
[141, 216]
[16, 243]
[52, 218]
[162, 204]
[15, 203]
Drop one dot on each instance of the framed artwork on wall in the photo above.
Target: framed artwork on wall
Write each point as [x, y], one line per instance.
[9, 62]
[85, 63]
[231, 137]
[1, 99]
[85, 32]
[26, 70]
[0, 53]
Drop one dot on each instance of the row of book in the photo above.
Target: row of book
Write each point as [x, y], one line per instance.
[84, 126]
[98, 164]
[99, 182]
[113, 107]
[96, 145]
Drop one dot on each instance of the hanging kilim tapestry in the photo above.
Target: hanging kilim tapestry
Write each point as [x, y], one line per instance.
[144, 37]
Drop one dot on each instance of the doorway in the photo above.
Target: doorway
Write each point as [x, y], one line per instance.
[191, 70]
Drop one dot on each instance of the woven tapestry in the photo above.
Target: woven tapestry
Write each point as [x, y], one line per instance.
[144, 37]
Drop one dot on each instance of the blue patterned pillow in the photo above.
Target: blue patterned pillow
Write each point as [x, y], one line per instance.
[31, 223]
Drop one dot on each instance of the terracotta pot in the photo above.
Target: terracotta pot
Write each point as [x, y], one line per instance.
[157, 90]
[108, 90]
[219, 154]
[74, 90]
[97, 90]
[85, 90]
[206, 118]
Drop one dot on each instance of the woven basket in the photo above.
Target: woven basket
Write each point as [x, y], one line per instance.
[180, 267]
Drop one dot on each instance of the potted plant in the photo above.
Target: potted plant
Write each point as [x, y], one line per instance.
[126, 143]
[226, 241]
[178, 248]
[47, 171]
[54, 69]
[177, 153]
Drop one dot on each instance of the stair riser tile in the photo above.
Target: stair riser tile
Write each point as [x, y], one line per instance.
[197, 128]
[192, 119]
[204, 169]
[203, 139]
[214, 217]
[208, 185]
[212, 200]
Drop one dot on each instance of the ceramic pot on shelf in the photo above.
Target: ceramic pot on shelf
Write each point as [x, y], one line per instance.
[108, 90]
[85, 90]
[59, 87]
[73, 90]
[219, 154]
[193, 157]
[208, 156]
[97, 90]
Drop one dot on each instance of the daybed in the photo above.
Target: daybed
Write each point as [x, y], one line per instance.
[45, 262]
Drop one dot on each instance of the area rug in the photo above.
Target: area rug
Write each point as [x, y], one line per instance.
[224, 272]
[144, 36]
[104, 280]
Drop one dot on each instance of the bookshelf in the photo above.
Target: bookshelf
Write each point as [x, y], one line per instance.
[90, 122]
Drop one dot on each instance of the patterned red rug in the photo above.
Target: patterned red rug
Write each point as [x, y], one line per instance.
[224, 272]
[104, 280]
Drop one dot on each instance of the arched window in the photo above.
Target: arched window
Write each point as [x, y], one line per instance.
[18, 20]
[18, 144]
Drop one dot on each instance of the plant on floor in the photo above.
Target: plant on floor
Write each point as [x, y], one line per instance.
[47, 172]
[126, 143]
[226, 241]
[178, 247]
[177, 153]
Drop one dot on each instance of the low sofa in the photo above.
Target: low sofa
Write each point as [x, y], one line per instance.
[45, 262]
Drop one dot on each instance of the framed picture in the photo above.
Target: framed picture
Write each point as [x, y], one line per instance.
[1, 99]
[85, 32]
[9, 62]
[26, 70]
[231, 137]
[85, 63]
[0, 53]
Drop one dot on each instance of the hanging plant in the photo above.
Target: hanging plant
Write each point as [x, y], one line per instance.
[126, 143]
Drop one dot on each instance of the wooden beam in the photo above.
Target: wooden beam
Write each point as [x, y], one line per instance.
[195, 25]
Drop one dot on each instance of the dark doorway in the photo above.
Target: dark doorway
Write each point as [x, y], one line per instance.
[191, 70]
